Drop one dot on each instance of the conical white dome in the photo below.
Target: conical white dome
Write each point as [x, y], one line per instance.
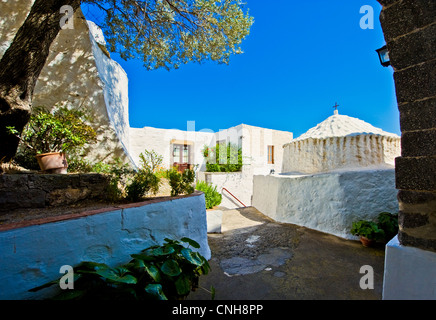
[342, 126]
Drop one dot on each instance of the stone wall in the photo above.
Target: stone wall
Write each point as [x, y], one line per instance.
[409, 27]
[19, 191]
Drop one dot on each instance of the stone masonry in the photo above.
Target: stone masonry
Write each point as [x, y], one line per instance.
[409, 28]
[19, 191]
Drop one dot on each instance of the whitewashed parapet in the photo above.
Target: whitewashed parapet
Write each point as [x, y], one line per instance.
[313, 155]
[328, 202]
[33, 255]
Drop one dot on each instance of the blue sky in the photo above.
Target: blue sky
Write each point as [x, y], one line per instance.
[300, 58]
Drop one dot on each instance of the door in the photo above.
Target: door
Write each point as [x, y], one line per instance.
[181, 156]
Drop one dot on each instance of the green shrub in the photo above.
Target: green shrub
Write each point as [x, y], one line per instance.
[61, 130]
[367, 229]
[167, 272]
[142, 182]
[150, 160]
[181, 183]
[212, 196]
[384, 229]
[229, 161]
[388, 222]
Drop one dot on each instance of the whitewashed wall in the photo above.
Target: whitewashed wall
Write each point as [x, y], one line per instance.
[410, 273]
[159, 140]
[238, 183]
[33, 255]
[328, 202]
[322, 155]
[254, 142]
[13, 13]
[77, 72]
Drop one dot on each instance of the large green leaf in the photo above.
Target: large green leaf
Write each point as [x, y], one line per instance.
[192, 257]
[191, 242]
[171, 268]
[156, 291]
[183, 285]
[117, 275]
[206, 267]
[160, 251]
[154, 272]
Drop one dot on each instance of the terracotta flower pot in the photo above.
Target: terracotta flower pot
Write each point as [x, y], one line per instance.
[367, 242]
[54, 162]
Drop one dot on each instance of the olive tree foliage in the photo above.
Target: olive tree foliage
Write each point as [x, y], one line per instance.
[170, 33]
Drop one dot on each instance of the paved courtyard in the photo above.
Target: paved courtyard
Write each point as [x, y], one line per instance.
[255, 258]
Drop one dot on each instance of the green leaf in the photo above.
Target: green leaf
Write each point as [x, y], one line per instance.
[160, 251]
[156, 291]
[213, 291]
[117, 275]
[154, 272]
[192, 257]
[191, 242]
[170, 241]
[183, 285]
[171, 268]
[206, 267]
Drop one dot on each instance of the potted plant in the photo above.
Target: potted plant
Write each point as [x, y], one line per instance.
[368, 231]
[50, 135]
[388, 222]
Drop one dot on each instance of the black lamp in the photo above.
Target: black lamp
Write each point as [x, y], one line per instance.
[383, 55]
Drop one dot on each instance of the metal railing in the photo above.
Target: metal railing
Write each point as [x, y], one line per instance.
[234, 197]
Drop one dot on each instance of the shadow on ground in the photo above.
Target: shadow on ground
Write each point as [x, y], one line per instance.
[255, 258]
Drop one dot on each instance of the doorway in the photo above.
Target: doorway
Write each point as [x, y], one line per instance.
[181, 157]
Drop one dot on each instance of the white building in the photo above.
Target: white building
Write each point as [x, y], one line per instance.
[341, 142]
[262, 152]
[336, 173]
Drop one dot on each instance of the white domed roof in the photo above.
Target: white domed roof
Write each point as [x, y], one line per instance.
[342, 126]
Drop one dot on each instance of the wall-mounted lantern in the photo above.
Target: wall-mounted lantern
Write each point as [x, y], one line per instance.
[383, 55]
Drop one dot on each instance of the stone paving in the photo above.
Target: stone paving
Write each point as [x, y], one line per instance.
[255, 258]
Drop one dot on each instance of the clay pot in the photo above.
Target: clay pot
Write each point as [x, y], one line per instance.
[367, 242]
[54, 162]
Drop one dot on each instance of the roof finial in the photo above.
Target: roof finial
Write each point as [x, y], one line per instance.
[336, 108]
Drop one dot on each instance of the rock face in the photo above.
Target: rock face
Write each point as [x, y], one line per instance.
[79, 73]
[341, 142]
